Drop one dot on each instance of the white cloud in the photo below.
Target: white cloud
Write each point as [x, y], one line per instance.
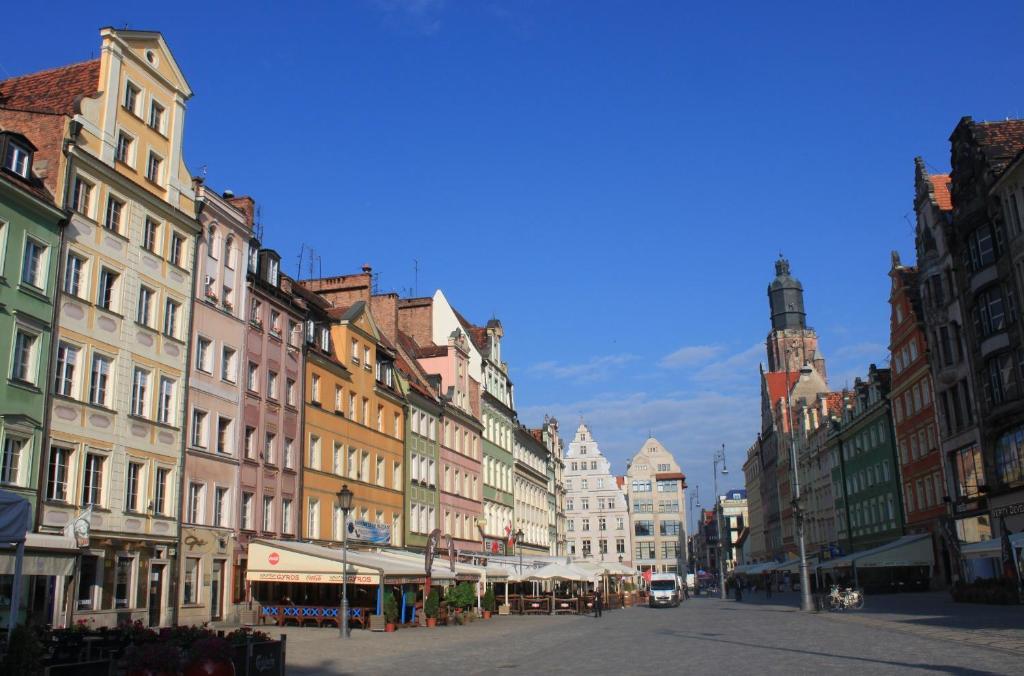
[691, 355]
[597, 368]
[736, 369]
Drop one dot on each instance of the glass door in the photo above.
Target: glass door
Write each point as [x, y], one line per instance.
[217, 591]
[156, 593]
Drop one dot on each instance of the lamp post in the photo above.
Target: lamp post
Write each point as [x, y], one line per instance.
[806, 603]
[694, 501]
[345, 504]
[519, 543]
[719, 458]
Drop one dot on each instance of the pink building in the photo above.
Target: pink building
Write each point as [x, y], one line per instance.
[209, 525]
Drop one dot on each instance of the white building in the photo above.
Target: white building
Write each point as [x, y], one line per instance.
[597, 518]
[657, 497]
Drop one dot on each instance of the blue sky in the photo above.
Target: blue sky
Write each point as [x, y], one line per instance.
[612, 179]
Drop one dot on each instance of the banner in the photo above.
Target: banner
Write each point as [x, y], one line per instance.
[372, 533]
[80, 527]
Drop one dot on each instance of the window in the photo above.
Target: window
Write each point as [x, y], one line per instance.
[23, 367]
[163, 489]
[643, 528]
[286, 516]
[123, 588]
[199, 428]
[252, 377]
[644, 550]
[228, 367]
[314, 451]
[314, 388]
[194, 506]
[17, 159]
[11, 463]
[313, 519]
[991, 312]
[112, 217]
[81, 198]
[355, 352]
[106, 295]
[172, 310]
[57, 474]
[132, 486]
[92, 479]
[272, 385]
[153, 167]
[177, 249]
[88, 582]
[74, 271]
[144, 311]
[123, 149]
[224, 440]
[275, 323]
[249, 442]
[100, 377]
[140, 392]
[33, 268]
[268, 513]
[192, 581]
[982, 248]
[288, 446]
[289, 392]
[221, 506]
[131, 98]
[970, 471]
[67, 360]
[669, 528]
[165, 402]
[337, 466]
[270, 448]
[380, 471]
[156, 116]
[256, 312]
[247, 511]
[1009, 455]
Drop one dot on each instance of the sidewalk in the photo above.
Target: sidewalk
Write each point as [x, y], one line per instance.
[927, 614]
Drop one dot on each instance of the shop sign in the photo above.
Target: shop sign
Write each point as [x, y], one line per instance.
[324, 578]
[1008, 510]
[366, 531]
[494, 546]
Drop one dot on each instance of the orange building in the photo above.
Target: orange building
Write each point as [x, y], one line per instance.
[354, 425]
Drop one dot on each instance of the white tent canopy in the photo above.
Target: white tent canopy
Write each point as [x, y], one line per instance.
[909, 550]
[560, 571]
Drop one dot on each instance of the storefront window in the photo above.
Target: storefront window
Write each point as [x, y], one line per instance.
[87, 582]
[123, 582]
[1010, 456]
[191, 587]
[970, 471]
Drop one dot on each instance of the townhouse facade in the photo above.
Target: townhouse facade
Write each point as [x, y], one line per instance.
[597, 516]
[914, 419]
[656, 493]
[110, 131]
[530, 490]
[209, 520]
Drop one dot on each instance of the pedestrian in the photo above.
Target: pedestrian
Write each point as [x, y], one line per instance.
[768, 584]
[598, 603]
[739, 590]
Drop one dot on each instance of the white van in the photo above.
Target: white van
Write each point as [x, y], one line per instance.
[664, 590]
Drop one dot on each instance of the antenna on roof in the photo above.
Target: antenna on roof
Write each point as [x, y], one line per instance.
[375, 283]
[415, 277]
[257, 225]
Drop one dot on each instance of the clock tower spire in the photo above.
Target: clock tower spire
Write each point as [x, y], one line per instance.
[790, 343]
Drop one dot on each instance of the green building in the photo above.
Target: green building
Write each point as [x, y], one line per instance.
[865, 478]
[30, 243]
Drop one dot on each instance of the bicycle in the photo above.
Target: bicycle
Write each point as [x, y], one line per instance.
[845, 598]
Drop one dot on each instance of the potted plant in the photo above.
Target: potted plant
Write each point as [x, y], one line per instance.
[488, 602]
[390, 612]
[156, 658]
[431, 607]
[210, 657]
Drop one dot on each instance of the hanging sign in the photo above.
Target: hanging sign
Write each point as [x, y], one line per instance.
[372, 533]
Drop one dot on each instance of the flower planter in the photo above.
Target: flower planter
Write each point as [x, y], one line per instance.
[389, 627]
[431, 621]
[487, 614]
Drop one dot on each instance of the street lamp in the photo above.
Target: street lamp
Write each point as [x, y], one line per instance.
[519, 541]
[805, 579]
[719, 458]
[345, 505]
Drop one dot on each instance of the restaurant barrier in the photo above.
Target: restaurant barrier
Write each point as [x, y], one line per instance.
[317, 616]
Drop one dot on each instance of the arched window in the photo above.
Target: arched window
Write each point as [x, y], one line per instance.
[229, 252]
[211, 242]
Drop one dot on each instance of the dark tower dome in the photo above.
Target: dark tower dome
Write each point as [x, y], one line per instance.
[786, 298]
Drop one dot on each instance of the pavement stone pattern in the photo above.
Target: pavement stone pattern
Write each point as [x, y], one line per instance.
[702, 636]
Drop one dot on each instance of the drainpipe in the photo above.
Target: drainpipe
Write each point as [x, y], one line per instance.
[176, 562]
[842, 484]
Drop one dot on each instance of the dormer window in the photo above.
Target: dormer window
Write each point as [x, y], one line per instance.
[18, 158]
[325, 339]
[273, 271]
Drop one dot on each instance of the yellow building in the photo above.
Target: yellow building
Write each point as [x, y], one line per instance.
[354, 426]
[116, 430]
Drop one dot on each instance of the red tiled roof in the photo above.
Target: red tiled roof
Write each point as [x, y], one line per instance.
[33, 186]
[776, 383]
[940, 183]
[1000, 141]
[51, 91]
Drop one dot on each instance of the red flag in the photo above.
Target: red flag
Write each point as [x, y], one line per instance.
[511, 537]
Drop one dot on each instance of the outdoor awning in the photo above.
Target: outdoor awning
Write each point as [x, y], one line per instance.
[791, 566]
[439, 570]
[989, 549]
[909, 550]
[44, 555]
[289, 561]
[560, 571]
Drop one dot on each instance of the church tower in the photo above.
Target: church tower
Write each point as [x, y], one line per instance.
[790, 343]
